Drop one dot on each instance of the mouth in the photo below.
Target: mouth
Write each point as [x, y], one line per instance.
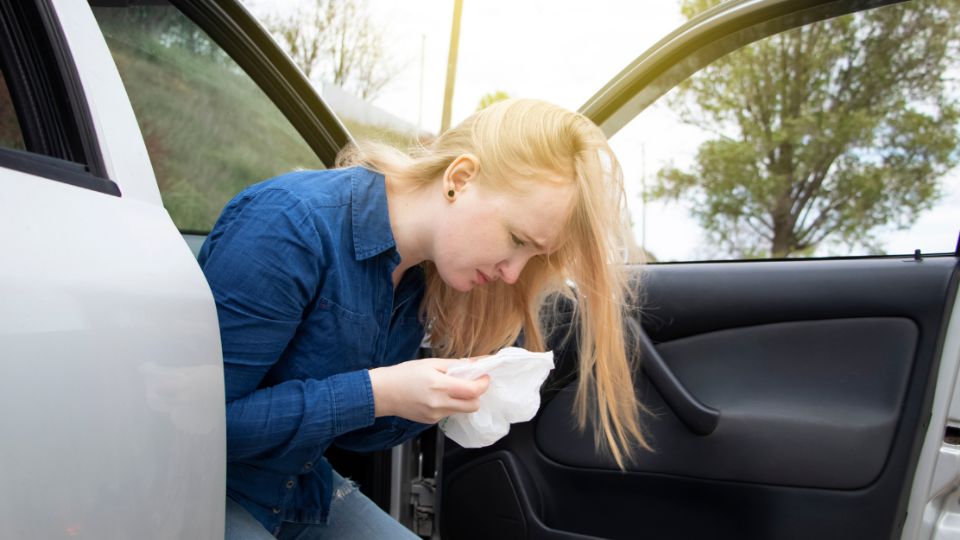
[482, 278]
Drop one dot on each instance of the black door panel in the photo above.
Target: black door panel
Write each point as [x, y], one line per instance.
[822, 371]
[824, 396]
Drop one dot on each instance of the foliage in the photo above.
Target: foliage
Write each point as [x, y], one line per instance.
[825, 133]
[337, 41]
[490, 98]
[10, 135]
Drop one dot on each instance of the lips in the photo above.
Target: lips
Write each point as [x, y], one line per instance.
[482, 278]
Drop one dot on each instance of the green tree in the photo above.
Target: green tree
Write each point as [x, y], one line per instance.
[827, 132]
[490, 98]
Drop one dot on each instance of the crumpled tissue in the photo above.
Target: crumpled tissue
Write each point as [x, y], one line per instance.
[513, 395]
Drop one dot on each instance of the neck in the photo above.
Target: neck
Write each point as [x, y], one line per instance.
[410, 224]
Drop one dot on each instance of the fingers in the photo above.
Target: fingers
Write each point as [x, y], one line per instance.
[442, 364]
[464, 389]
[420, 390]
[461, 406]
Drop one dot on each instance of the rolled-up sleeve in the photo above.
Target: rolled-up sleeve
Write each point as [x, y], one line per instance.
[263, 264]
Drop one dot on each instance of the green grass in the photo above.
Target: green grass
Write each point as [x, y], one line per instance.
[209, 130]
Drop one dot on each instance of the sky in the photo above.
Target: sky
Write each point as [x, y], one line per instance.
[564, 51]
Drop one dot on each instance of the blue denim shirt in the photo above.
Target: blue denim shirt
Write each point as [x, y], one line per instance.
[301, 270]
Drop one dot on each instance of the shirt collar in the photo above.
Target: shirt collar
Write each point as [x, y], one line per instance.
[372, 234]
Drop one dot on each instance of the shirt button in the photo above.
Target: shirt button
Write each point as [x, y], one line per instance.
[276, 510]
[308, 465]
[290, 484]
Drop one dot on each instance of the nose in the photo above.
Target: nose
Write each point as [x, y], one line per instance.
[509, 269]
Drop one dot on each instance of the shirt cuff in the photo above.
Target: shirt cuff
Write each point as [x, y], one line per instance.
[353, 406]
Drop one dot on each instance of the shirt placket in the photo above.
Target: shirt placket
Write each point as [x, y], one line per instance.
[385, 305]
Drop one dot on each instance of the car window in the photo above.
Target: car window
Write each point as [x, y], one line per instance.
[838, 138]
[209, 130]
[10, 135]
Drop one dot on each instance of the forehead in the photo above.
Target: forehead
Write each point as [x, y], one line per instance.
[541, 210]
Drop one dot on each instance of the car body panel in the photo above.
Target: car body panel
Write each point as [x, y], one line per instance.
[111, 381]
[933, 510]
[112, 403]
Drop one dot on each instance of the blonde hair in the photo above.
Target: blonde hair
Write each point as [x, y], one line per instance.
[515, 141]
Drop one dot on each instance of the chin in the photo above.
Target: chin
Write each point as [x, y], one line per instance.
[467, 287]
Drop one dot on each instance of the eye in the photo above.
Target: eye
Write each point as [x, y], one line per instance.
[517, 241]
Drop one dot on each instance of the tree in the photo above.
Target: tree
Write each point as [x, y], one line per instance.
[490, 98]
[338, 42]
[825, 133]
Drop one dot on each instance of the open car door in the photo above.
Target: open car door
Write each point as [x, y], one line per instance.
[801, 398]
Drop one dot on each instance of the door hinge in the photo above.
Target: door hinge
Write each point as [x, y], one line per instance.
[422, 492]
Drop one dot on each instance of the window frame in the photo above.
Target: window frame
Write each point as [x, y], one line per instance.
[48, 100]
[705, 38]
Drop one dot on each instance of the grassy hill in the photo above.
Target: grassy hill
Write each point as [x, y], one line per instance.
[209, 130]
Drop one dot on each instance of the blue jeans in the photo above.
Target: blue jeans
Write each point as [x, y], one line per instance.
[352, 515]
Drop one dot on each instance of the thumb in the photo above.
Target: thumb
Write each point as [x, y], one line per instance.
[483, 383]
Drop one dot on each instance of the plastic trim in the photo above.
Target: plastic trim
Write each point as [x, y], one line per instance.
[58, 170]
[85, 132]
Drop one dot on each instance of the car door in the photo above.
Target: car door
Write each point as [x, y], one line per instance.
[124, 127]
[790, 398]
[111, 392]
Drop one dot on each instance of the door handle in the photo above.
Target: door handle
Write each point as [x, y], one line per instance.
[699, 418]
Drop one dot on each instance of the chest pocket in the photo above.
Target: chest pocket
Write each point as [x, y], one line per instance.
[334, 339]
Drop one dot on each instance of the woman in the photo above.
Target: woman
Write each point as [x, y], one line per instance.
[323, 280]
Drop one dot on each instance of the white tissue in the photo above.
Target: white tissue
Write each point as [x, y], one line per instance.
[513, 395]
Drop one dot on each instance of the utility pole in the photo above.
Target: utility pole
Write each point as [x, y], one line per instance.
[451, 65]
[423, 54]
[643, 196]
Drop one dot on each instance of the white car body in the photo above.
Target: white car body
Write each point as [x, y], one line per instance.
[112, 407]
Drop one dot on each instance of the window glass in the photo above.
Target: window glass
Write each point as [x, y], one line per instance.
[10, 135]
[833, 139]
[209, 130]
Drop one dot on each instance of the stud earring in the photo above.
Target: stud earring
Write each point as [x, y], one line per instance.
[450, 194]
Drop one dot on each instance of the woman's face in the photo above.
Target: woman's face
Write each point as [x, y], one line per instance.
[484, 235]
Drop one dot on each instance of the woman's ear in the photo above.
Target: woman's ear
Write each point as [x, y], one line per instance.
[461, 171]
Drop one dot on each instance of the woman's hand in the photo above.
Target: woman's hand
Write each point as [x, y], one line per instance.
[420, 390]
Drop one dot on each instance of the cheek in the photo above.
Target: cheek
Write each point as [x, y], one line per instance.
[451, 262]
[467, 241]
[485, 244]
[461, 239]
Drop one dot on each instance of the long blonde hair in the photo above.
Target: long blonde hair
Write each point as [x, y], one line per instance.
[515, 141]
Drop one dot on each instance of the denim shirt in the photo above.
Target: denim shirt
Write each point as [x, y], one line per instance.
[301, 270]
